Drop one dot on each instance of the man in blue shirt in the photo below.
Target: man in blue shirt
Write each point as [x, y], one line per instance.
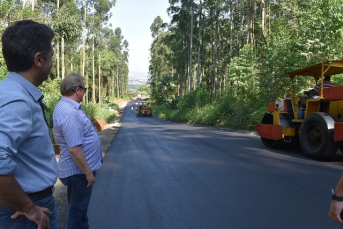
[28, 168]
[81, 152]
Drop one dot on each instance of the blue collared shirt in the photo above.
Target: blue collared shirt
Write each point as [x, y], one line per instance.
[73, 128]
[26, 149]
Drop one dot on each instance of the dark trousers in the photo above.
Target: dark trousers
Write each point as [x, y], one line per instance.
[78, 201]
[24, 223]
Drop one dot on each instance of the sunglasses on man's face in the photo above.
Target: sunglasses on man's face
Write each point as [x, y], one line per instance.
[83, 88]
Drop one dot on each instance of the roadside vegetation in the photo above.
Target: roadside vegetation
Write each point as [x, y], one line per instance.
[196, 108]
[220, 63]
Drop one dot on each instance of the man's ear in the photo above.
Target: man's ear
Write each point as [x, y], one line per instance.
[38, 58]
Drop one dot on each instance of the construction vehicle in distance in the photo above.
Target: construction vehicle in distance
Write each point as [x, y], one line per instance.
[143, 109]
[316, 123]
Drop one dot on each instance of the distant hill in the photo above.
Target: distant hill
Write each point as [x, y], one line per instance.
[137, 79]
[142, 76]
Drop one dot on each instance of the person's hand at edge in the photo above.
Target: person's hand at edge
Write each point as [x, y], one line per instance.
[37, 215]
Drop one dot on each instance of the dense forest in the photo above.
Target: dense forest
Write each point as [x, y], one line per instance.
[226, 59]
[84, 42]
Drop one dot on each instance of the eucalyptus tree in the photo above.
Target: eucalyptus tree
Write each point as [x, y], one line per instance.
[66, 24]
[111, 46]
[120, 68]
[115, 61]
[180, 11]
[125, 67]
[199, 46]
[100, 16]
[321, 29]
[245, 46]
[157, 34]
[191, 50]
[162, 63]
[107, 60]
[13, 10]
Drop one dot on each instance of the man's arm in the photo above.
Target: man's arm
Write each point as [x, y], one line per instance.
[12, 196]
[79, 158]
[336, 207]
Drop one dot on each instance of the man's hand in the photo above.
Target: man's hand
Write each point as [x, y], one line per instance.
[336, 208]
[37, 215]
[91, 180]
[80, 160]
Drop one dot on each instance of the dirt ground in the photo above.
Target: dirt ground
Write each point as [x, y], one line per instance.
[118, 101]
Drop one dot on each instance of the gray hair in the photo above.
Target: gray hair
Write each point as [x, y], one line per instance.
[70, 83]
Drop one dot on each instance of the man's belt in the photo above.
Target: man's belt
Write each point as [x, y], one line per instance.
[42, 194]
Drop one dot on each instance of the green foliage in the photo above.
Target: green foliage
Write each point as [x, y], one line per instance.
[133, 87]
[242, 63]
[105, 100]
[195, 99]
[3, 72]
[227, 112]
[106, 115]
[144, 90]
[90, 109]
[113, 105]
[66, 22]
[93, 111]
[132, 94]
[73, 21]
[51, 91]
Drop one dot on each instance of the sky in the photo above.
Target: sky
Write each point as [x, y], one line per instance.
[135, 17]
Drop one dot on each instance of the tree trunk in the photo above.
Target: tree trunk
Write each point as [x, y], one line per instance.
[71, 64]
[58, 50]
[263, 25]
[58, 60]
[218, 48]
[242, 26]
[93, 63]
[199, 38]
[62, 50]
[87, 84]
[93, 67]
[117, 83]
[84, 39]
[99, 90]
[113, 82]
[191, 52]
[214, 60]
[253, 13]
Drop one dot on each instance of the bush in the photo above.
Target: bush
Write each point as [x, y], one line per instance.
[106, 115]
[228, 111]
[105, 100]
[90, 109]
[113, 105]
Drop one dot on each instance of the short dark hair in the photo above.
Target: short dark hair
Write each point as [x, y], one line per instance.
[70, 83]
[21, 42]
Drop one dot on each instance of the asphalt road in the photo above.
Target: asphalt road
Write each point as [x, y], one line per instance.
[159, 174]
